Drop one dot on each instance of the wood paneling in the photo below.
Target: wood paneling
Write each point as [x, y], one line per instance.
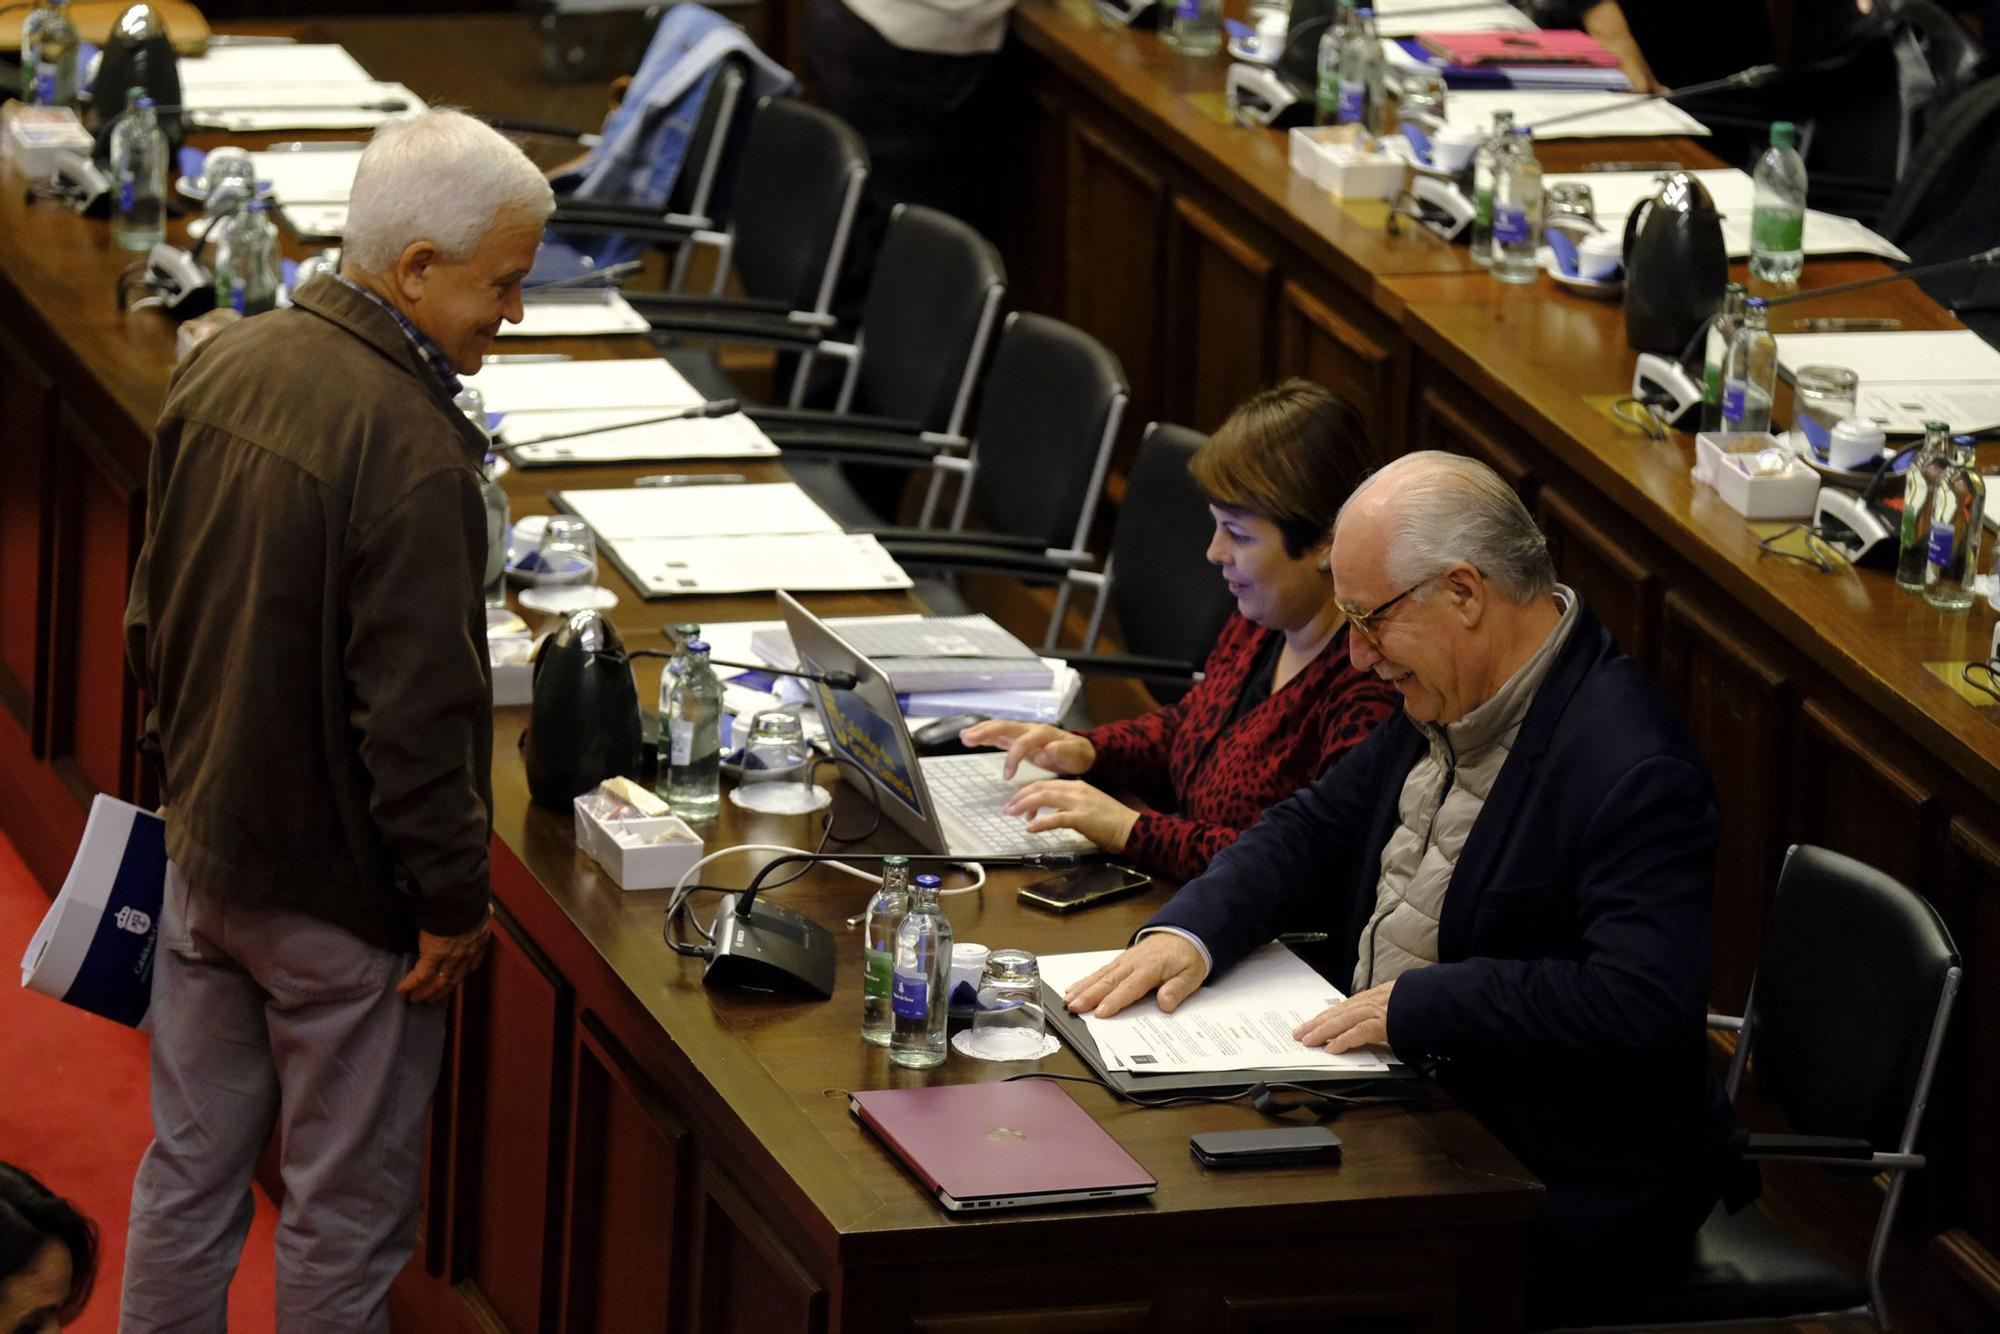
[1735, 703]
[513, 1089]
[1601, 561]
[1111, 1318]
[1855, 796]
[1316, 342]
[1444, 421]
[622, 1265]
[751, 1283]
[1114, 271]
[1407, 1312]
[1221, 306]
[27, 440]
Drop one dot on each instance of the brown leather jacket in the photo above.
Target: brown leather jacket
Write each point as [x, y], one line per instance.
[307, 623]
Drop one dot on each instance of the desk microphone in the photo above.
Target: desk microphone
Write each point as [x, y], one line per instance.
[1980, 260]
[763, 947]
[715, 407]
[1754, 77]
[838, 680]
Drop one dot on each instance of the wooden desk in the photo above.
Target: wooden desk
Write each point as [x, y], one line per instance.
[614, 1147]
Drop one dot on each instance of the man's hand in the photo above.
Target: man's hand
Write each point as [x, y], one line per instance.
[1362, 1020]
[1605, 21]
[1050, 747]
[443, 962]
[1103, 820]
[1163, 961]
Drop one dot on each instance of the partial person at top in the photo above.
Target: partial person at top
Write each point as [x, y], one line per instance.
[1279, 701]
[1666, 44]
[48, 1256]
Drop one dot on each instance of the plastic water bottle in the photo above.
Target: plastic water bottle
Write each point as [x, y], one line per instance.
[1374, 73]
[1326, 87]
[1951, 556]
[1752, 375]
[1353, 107]
[1715, 358]
[691, 728]
[1920, 483]
[49, 50]
[886, 912]
[918, 986]
[1778, 215]
[246, 261]
[139, 177]
[1486, 162]
[1195, 27]
[1517, 212]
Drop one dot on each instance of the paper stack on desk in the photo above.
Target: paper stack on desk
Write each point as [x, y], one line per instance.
[1407, 18]
[569, 319]
[1909, 377]
[1616, 193]
[311, 187]
[1612, 115]
[537, 400]
[1240, 1021]
[299, 86]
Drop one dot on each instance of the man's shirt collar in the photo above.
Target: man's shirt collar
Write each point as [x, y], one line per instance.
[433, 358]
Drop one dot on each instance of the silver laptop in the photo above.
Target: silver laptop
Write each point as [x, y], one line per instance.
[949, 803]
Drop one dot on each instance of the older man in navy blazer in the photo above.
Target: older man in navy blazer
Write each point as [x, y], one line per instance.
[1519, 868]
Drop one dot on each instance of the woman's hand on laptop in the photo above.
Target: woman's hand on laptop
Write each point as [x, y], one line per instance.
[1064, 803]
[1041, 744]
[1164, 961]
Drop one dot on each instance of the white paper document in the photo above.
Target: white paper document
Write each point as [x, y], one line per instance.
[320, 176]
[1616, 193]
[804, 563]
[1908, 377]
[1473, 110]
[315, 222]
[731, 437]
[283, 64]
[247, 108]
[1422, 16]
[1242, 1020]
[550, 386]
[678, 512]
[576, 319]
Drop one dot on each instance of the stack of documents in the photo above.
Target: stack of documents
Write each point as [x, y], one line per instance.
[536, 401]
[311, 184]
[1611, 115]
[1241, 1021]
[754, 538]
[287, 87]
[929, 653]
[1615, 193]
[1407, 18]
[1908, 378]
[609, 314]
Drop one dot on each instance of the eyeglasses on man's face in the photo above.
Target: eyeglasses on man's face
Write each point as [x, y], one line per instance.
[1368, 624]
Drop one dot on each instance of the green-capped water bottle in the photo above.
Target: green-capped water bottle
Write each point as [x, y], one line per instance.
[919, 985]
[691, 738]
[1778, 209]
[1487, 161]
[886, 912]
[49, 51]
[1926, 473]
[1958, 507]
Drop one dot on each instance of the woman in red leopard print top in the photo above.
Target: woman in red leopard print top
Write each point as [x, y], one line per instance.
[1278, 704]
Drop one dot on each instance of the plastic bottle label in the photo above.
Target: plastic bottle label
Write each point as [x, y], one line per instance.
[1328, 94]
[238, 297]
[45, 84]
[1780, 233]
[1733, 394]
[910, 996]
[1510, 224]
[1187, 11]
[128, 185]
[1353, 103]
[680, 743]
[1940, 545]
[880, 970]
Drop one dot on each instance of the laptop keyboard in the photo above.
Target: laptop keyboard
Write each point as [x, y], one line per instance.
[968, 790]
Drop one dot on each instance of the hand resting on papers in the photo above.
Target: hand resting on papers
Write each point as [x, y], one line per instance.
[1163, 962]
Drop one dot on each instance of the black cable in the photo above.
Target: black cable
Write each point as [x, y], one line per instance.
[1336, 1101]
[1991, 685]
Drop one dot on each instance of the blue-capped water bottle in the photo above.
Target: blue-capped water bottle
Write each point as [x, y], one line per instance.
[139, 177]
[1194, 27]
[918, 987]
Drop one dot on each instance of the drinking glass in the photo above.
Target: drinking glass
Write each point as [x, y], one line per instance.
[1007, 1025]
[777, 773]
[567, 553]
[1422, 98]
[1822, 398]
[1568, 200]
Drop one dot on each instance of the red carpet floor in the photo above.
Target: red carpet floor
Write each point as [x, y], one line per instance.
[73, 1111]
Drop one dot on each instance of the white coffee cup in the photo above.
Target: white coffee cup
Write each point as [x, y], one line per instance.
[1600, 257]
[1854, 443]
[968, 965]
[1453, 146]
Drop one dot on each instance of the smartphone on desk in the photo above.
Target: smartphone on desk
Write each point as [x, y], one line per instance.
[1084, 887]
[1282, 1147]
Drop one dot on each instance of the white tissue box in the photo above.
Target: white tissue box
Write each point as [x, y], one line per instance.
[36, 134]
[1791, 494]
[1326, 156]
[623, 848]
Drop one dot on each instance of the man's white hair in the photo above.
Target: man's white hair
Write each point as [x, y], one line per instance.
[437, 176]
[1448, 508]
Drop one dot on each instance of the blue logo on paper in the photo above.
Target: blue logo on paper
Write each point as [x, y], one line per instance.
[115, 978]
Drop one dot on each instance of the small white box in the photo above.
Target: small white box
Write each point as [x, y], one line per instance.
[1791, 494]
[36, 134]
[1711, 446]
[1330, 157]
[629, 856]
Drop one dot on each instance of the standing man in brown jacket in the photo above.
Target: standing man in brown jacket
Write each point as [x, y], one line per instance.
[306, 618]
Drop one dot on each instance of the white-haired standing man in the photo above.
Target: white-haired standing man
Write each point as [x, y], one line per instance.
[307, 622]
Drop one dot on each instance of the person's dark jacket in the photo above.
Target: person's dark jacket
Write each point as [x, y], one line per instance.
[306, 620]
[1567, 1007]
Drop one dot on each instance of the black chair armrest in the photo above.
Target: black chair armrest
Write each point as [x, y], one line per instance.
[974, 557]
[774, 420]
[547, 129]
[1015, 545]
[1776, 1148]
[645, 226]
[735, 327]
[860, 447]
[673, 305]
[1166, 670]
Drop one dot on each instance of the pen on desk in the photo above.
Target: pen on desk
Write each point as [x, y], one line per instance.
[248, 39]
[1847, 324]
[316, 146]
[1631, 166]
[691, 479]
[523, 358]
[1303, 938]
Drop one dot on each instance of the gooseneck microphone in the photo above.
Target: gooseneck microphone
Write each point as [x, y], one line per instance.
[1754, 77]
[1980, 260]
[838, 680]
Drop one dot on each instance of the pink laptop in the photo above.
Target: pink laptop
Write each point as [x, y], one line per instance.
[1001, 1146]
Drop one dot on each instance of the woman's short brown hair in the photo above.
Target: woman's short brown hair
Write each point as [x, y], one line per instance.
[1286, 455]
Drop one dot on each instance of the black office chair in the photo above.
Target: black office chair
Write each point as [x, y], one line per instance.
[925, 330]
[696, 208]
[1847, 1012]
[1048, 414]
[795, 197]
[1948, 204]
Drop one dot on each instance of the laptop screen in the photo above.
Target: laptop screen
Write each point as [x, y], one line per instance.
[863, 736]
